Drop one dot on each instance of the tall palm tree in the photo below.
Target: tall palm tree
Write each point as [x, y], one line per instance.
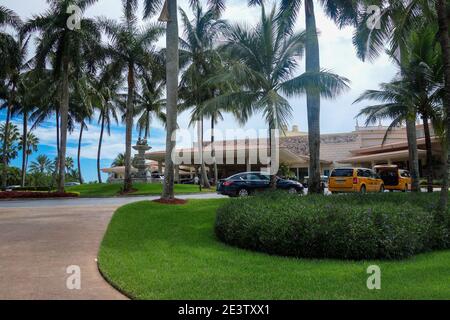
[82, 110]
[199, 52]
[15, 66]
[131, 48]
[42, 164]
[265, 59]
[70, 47]
[105, 93]
[391, 27]
[168, 15]
[31, 143]
[422, 69]
[9, 134]
[442, 14]
[150, 104]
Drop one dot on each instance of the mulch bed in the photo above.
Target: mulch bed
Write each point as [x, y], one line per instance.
[36, 195]
[171, 201]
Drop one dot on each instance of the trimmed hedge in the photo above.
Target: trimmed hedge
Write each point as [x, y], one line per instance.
[37, 195]
[373, 226]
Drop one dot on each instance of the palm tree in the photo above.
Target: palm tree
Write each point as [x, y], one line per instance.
[16, 64]
[265, 59]
[9, 18]
[169, 15]
[9, 135]
[131, 49]
[82, 110]
[442, 10]
[69, 164]
[119, 161]
[198, 50]
[393, 27]
[422, 69]
[70, 46]
[42, 164]
[28, 144]
[150, 104]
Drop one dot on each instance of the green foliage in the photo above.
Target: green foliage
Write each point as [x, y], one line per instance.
[13, 175]
[381, 226]
[11, 141]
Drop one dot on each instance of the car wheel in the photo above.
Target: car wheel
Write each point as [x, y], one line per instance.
[363, 190]
[292, 190]
[382, 189]
[242, 193]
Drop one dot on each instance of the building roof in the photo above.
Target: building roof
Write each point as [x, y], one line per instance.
[394, 155]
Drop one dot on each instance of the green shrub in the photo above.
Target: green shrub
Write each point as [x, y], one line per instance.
[378, 226]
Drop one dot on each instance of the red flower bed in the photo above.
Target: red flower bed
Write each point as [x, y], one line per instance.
[171, 202]
[36, 195]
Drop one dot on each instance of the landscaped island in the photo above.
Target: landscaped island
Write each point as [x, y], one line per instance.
[155, 251]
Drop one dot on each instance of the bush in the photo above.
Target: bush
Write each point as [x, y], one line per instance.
[378, 226]
[37, 195]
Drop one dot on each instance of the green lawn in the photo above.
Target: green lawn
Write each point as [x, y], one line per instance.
[110, 190]
[154, 251]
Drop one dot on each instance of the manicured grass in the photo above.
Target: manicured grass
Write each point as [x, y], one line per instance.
[154, 251]
[111, 190]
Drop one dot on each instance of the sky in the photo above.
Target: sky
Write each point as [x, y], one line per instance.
[337, 55]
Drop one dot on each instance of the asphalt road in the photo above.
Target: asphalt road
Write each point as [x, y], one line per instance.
[94, 202]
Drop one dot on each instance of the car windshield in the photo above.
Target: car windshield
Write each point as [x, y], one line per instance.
[342, 173]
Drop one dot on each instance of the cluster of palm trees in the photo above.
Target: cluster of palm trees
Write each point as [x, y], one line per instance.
[225, 68]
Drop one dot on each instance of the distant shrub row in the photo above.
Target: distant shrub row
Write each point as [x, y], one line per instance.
[37, 195]
[374, 226]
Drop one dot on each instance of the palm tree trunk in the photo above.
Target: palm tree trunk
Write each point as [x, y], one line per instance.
[24, 148]
[172, 69]
[5, 139]
[426, 129]
[99, 150]
[80, 177]
[64, 124]
[128, 183]
[413, 153]
[213, 150]
[205, 180]
[55, 173]
[312, 56]
[273, 178]
[445, 45]
[147, 125]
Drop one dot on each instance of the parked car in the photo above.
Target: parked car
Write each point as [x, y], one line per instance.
[71, 184]
[360, 180]
[394, 178]
[323, 181]
[246, 183]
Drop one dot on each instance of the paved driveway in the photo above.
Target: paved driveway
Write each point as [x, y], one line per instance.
[40, 239]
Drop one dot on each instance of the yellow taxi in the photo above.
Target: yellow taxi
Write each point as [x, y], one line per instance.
[359, 180]
[394, 178]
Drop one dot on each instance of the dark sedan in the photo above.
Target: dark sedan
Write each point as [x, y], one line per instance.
[244, 184]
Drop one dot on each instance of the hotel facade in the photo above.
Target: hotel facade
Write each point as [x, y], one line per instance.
[362, 147]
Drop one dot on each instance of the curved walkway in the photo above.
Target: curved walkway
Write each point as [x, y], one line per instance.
[40, 239]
